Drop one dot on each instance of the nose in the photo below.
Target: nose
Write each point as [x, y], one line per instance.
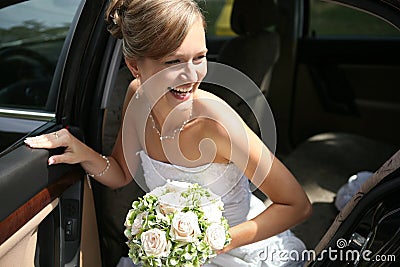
[189, 73]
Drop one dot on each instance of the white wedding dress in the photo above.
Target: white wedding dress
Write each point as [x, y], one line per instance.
[240, 205]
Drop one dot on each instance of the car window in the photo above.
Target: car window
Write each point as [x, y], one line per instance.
[32, 34]
[329, 19]
[218, 17]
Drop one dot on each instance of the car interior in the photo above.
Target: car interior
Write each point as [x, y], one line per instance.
[334, 98]
[323, 161]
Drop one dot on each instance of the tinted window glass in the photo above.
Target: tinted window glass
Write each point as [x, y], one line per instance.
[328, 19]
[32, 35]
[218, 17]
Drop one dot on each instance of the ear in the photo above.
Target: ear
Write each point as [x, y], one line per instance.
[133, 66]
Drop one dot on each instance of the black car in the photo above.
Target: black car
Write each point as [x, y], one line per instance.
[329, 71]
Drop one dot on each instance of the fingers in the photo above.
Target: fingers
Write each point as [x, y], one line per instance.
[61, 138]
[62, 158]
[50, 140]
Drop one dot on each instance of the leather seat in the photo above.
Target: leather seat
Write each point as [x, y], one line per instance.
[256, 48]
[254, 52]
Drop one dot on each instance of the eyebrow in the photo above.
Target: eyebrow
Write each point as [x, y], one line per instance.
[181, 55]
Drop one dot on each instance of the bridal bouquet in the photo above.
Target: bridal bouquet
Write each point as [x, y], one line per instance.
[178, 224]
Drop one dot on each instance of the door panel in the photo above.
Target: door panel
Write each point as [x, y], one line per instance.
[28, 186]
[27, 183]
[350, 94]
[346, 77]
[12, 129]
[20, 248]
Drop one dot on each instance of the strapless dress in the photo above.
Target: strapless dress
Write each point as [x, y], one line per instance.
[229, 182]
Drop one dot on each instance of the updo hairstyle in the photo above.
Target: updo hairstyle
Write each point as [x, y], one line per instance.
[151, 28]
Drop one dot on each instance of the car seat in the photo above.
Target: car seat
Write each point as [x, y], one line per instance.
[256, 48]
[254, 52]
[113, 205]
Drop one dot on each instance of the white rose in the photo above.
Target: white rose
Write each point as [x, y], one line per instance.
[185, 227]
[215, 236]
[177, 186]
[137, 223]
[170, 203]
[154, 243]
[212, 212]
[166, 208]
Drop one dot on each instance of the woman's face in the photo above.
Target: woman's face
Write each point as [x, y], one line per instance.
[177, 76]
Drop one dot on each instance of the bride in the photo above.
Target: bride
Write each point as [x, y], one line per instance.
[179, 132]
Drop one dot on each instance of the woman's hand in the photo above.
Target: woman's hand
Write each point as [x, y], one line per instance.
[106, 170]
[75, 150]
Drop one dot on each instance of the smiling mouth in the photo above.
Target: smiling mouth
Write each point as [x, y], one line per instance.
[181, 91]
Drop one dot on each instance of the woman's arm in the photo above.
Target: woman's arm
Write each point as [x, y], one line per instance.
[114, 176]
[290, 204]
[236, 142]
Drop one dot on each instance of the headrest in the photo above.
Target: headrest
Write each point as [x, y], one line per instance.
[253, 16]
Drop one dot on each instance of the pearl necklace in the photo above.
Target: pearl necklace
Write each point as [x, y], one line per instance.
[178, 130]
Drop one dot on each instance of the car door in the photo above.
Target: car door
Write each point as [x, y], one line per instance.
[366, 231]
[51, 56]
[346, 75]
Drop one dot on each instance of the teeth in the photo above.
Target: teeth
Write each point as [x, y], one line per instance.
[181, 90]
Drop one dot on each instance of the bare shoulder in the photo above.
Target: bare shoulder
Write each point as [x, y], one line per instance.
[209, 104]
[217, 115]
[220, 123]
[204, 94]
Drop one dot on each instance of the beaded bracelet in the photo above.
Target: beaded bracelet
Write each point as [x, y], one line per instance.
[105, 169]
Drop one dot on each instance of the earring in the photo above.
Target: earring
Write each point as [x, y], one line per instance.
[138, 93]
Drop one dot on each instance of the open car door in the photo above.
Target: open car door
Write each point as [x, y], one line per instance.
[51, 56]
[41, 209]
[367, 230]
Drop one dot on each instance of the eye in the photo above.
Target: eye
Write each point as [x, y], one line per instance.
[200, 58]
[171, 62]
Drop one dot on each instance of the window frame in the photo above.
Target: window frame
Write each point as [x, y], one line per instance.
[22, 121]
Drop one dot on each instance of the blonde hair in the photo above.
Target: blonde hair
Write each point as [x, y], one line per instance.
[151, 28]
